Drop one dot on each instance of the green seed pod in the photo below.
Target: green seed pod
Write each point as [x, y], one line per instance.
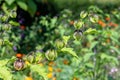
[13, 14]
[30, 58]
[78, 34]
[59, 44]
[51, 54]
[6, 27]
[94, 19]
[78, 24]
[19, 64]
[83, 14]
[4, 18]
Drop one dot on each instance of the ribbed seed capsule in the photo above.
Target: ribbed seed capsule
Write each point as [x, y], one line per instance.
[51, 54]
[19, 64]
[78, 34]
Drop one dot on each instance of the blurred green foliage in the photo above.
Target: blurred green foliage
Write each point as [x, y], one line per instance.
[63, 47]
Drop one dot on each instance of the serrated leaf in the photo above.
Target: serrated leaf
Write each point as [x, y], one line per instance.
[40, 70]
[87, 56]
[109, 58]
[69, 51]
[22, 5]
[5, 74]
[3, 62]
[90, 31]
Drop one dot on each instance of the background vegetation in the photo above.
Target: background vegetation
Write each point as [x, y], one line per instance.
[59, 40]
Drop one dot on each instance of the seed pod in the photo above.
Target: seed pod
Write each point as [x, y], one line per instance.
[59, 44]
[83, 14]
[78, 34]
[51, 54]
[19, 64]
[6, 27]
[13, 14]
[94, 18]
[4, 18]
[78, 24]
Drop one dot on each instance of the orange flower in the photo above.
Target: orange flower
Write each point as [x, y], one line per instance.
[49, 75]
[19, 55]
[101, 23]
[28, 78]
[75, 78]
[108, 40]
[65, 62]
[54, 78]
[26, 62]
[107, 18]
[71, 22]
[58, 70]
[22, 27]
[115, 25]
[50, 69]
[51, 63]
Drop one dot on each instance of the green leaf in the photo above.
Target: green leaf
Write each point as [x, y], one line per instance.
[87, 56]
[70, 51]
[14, 23]
[5, 74]
[31, 7]
[109, 58]
[90, 31]
[9, 2]
[40, 70]
[22, 5]
[3, 62]
[115, 49]
[93, 44]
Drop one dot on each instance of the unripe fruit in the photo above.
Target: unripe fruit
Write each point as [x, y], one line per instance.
[51, 54]
[13, 14]
[59, 44]
[4, 18]
[83, 14]
[78, 34]
[6, 27]
[78, 24]
[19, 64]
[94, 19]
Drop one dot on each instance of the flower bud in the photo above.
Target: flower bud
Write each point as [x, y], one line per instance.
[59, 44]
[51, 54]
[83, 14]
[19, 64]
[78, 34]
